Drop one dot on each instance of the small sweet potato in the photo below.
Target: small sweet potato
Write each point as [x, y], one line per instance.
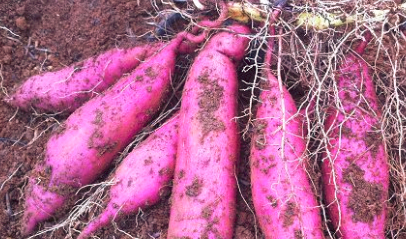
[141, 177]
[204, 192]
[67, 89]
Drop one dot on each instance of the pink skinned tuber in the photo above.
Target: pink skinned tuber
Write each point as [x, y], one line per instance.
[67, 89]
[355, 171]
[284, 202]
[204, 192]
[141, 177]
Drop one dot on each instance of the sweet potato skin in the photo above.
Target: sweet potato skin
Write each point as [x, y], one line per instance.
[90, 138]
[284, 202]
[141, 177]
[355, 173]
[67, 89]
[203, 196]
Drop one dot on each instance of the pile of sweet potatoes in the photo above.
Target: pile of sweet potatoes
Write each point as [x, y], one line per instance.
[113, 96]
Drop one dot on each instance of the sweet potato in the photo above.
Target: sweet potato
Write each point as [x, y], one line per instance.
[67, 89]
[96, 132]
[355, 171]
[284, 202]
[204, 192]
[141, 176]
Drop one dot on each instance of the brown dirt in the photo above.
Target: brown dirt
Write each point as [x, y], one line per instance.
[195, 188]
[365, 197]
[71, 31]
[210, 97]
[289, 214]
[259, 134]
[54, 34]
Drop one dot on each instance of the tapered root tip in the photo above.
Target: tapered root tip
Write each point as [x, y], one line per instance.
[102, 220]
[40, 205]
[31, 220]
[29, 224]
[361, 47]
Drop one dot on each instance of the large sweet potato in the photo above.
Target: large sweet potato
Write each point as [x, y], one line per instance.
[204, 192]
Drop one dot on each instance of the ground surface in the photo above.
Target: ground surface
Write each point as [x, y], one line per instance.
[48, 35]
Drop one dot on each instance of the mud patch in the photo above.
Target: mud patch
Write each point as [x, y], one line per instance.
[272, 200]
[165, 171]
[209, 102]
[259, 134]
[298, 234]
[151, 73]
[109, 147]
[365, 197]
[194, 189]
[212, 228]
[96, 135]
[181, 174]
[207, 212]
[373, 139]
[289, 214]
[98, 119]
[148, 161]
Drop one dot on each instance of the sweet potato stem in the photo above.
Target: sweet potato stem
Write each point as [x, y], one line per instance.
[361, 47]
[268, 55]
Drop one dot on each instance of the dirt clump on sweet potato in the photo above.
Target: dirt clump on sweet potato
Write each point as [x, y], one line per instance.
[148, 161]
[165, 171]
[207, 212]
[272, 200]
[259, 131]
[194, 189]
[98, 119]
[298, 234]
[209, 103]
[106, 148]
[212, 228]
[181, 174]
[289, 214]
[151, 72]
[365, 198]
[371, 139]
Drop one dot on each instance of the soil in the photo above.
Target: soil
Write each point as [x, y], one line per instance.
[365, 197]
[46, 36]
[209, 102]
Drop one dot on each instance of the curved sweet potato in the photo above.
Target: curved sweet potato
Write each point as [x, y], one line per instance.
[141, 176]
[93, 135]
[204, 192]
[355, 172]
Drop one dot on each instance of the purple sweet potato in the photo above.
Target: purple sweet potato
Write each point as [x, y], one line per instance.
[284, 202]
[204, 192]
[141, 176]
[355, 171]
[67, 89]
[93, 135]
